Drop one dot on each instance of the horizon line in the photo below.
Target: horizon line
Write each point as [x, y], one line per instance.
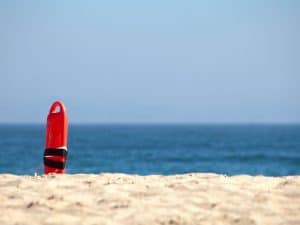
[157, 123]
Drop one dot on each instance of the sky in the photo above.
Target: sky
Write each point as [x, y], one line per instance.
[151, 61]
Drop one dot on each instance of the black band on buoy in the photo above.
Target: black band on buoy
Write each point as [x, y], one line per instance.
[56, 152]
[54, 164]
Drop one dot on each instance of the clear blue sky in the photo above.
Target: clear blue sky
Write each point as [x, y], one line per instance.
[151, 61]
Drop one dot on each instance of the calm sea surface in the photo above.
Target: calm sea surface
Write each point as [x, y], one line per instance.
[272, 150]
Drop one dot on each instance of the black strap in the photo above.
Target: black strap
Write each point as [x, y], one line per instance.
[54, 164]
[56, 152]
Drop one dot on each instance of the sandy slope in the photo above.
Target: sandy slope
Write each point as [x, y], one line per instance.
[126, 199]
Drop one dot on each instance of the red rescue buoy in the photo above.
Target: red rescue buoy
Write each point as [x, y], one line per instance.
[55, 155]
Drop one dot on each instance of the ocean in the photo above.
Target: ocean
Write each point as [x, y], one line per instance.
[271, 150]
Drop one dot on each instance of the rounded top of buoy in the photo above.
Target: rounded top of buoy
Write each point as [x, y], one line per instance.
[57, 126]
[57, 107]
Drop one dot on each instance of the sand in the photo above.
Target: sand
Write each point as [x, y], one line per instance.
[129, 199]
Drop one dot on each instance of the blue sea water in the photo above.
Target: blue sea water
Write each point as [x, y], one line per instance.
[272, 150]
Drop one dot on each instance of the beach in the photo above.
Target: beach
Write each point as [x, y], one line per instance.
[196, 198]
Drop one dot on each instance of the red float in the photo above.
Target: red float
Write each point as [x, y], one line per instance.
[55, 155]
